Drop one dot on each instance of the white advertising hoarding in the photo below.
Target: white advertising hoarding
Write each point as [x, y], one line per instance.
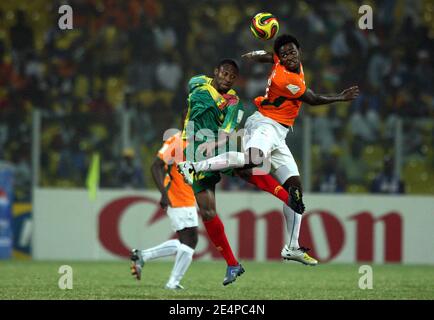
[337, 228]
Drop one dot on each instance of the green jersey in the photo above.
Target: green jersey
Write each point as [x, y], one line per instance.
[207, 110]
[207, 114]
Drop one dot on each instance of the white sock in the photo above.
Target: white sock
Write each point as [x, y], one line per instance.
[168, 248]
[293, 224]
[182, 262]
[227, 160]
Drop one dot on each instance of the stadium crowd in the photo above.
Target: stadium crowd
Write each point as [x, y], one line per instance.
[135, 57]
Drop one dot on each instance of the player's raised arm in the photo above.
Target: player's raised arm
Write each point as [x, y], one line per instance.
[259, 56]
[315, 99]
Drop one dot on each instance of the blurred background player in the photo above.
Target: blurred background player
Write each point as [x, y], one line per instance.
[268, 127]
[178, 198]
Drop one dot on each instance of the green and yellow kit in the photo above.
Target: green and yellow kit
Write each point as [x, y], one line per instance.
[208, 114]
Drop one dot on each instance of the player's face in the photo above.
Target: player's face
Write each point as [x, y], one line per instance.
[225, 77]
[289, 56]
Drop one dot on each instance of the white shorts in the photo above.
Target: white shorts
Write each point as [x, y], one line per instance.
[269, 136]
[182, 217]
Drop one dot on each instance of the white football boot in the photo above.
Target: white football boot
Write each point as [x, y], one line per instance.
[174, 286]
[299, 255]
[187, 170]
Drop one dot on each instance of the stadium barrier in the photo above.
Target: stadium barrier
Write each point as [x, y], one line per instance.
[338, 228]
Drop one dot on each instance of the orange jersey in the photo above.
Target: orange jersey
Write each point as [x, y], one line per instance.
[180, 194]
[280, 102]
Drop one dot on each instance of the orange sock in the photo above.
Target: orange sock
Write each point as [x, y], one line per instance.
[216, 232]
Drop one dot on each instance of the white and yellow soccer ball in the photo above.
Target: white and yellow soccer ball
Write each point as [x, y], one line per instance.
[264, 26]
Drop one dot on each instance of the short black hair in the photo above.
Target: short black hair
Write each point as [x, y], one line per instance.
[230, 62]
[284, 39]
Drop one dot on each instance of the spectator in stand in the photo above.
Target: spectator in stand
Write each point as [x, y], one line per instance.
[130, 175]
[116, 45]
[364, 122]
[21, 37]
[330, 179]
[387, 181]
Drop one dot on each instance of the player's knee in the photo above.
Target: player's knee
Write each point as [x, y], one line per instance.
[207, 214]
[192, 240]
[189, 237]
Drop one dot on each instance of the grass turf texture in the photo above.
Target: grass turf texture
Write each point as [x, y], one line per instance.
[267, 281]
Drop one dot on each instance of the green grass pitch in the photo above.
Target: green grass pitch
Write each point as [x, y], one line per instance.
[262, 281]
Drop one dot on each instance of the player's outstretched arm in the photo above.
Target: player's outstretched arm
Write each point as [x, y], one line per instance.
[158, 174]
[259, 56]
[314, 99]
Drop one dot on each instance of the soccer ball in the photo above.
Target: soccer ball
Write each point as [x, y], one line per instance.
[264, 26]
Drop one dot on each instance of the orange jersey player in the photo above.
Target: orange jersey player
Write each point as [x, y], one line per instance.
[179, 193]
[178, 198]
[280, 101]
[266, 131]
